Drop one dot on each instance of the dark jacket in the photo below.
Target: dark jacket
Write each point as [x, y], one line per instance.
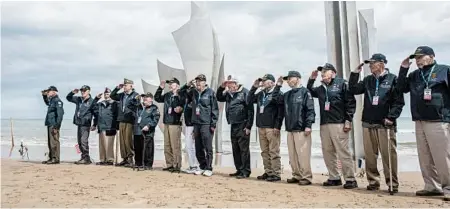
[272, 116]
[342, 101]
[106, 113]
[298, 105]
[238, 109]
[170, 101]
[438, 109]
[390, 102]
[206, 102]
[187, 111]
[127, 105]
[149, 116]
[55, 111]
[83, 112]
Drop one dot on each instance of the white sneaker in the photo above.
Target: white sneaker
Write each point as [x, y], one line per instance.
[208, 173]
[199, 172]
[191, 170]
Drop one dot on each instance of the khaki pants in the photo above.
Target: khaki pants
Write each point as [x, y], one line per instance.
[106, 147]
[172, 145]
[269, 142]
[299, 148]
[376, 139]
[126, 141]
[53, 144]
[335, 144]
[116, 145]
[433, 147]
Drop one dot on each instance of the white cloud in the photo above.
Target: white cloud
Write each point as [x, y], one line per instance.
[69, 44]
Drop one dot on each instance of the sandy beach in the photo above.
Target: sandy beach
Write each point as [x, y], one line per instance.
[31, 184]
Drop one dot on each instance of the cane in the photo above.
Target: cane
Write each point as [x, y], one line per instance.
[391, 191]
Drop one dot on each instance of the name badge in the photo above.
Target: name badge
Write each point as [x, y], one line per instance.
[169, 110]
[375, 100]
[197, 111]
[327, 106]
[261, 109]
[139, 119]
[427, 94]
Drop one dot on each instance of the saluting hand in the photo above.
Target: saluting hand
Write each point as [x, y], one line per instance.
[280, 81]
[44, 92]
[120, 86]
[359, 68]
[314, 74]
[256, 83]
[162, 84]
[406, 63]
[75, 91]
[99, 95]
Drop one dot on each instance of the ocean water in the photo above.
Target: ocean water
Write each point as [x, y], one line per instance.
[33, 134]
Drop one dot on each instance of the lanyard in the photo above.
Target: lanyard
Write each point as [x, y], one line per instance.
[199, 95]
[429, 76]
[142, 111]
[376, 89]
[264, 99]
[326, 92]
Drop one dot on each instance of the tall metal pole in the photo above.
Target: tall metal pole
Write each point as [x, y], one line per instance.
[333, 30]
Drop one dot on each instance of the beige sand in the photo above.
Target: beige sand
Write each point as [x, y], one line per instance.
[27, 184]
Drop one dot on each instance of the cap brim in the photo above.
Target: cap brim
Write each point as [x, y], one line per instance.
[285, 78]
[413, 56]
[320, 68]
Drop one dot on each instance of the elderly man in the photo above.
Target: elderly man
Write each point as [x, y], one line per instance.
[83, 120]
[144, 132]
[298, 107]
[126, 117]
[239, 113]
[429, 87]
[383, 104]
[337, 106]
[269, 118]
[173, 110]
[205, 113]
[53, 121]
[105, 121]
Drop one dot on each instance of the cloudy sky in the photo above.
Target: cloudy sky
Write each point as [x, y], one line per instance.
[69, 44]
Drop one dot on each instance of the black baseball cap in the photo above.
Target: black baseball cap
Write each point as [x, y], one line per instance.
[173, 80]
[148, 94]
[422, 50]
[52, 88]
[85, 87]
[292, 73]
[327, 66]
[268, 77]
[201, 77]
[107, 90]
[377, 58]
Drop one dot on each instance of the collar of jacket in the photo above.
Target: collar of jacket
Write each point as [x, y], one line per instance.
[270, 90]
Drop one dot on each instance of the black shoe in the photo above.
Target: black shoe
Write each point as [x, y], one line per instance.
[168, 169]
[429, 193]
[263, 177]
[304, 182]
[79, 161]
[175, 170]
[237, 173]
[84, 162]
[53, 162]
[394, 189]
[329, 183]
[45, 162]
[149, 168]
[123, 163]
[292, 181]
[350, 185]
[242, 176]
[100, 163]
[373, 187]
[109, 163]
[273, 178]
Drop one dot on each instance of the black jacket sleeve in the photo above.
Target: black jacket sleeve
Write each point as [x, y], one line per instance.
[350, 103]
[71, 98]
[250, 113]
[221, 97]
[114, 94]
[310, 115]
[154, 118]
[45, 98]
[214, 110]
[158, 95]
[403, 80]
[252, 97]
[312, 89]
[397, 102]
[355, 86]
[59, 115]
[116, 114]
[280, 115]
[95, 111]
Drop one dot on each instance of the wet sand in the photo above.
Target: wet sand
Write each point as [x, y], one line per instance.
[31, 184]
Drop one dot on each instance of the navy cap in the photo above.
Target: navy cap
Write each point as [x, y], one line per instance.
[52, 88]
[201, 77]
[268, 77]
[173, 80]
[377, 58]
[107, 90]
[327, 66]
[292, 73]
[85, 87]
[422, 50]
[148, 94]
